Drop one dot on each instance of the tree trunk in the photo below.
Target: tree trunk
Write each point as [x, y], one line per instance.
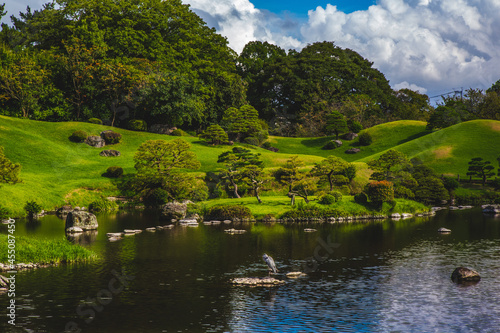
[330, 180]
[257, 195]
[235, 186]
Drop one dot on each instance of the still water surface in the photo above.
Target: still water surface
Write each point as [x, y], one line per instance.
[385, 276]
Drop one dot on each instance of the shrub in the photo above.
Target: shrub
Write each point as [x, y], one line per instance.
[331, 145]
[177, 132]
[365, 139]
[78, 136]
[450, 183]
[103, 205]
[380, 192]
[4, 213]
[155, 198]
[137, 125]
[361, 198]
[312, 211]
[327, 199]
[228, 212]
[354, 126]
[337, 195]
[111, 137]
[32, 208]
[114, 172]
[252, 141]
[95, 121]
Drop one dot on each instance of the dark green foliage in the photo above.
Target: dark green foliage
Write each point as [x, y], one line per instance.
[361, 198]
[215, 134]
[388, 165]
[114, 172]
[9, 171]
[78, 136]
[403, 192]
[336, 124]
[95, 121]
[242, 123]
[103, 205]
[380, 192]
[177, 132]
[137, 125]
[312, 211]
[330, 145]
[155, 198]
[111, 137]
[252, 141]
[32, 209]
[337, 195]
[229, 212]
[354, 126]
[480, 168]
[431, 190]
[4, 213]
[327, 199]
[350, 171]
[365, 139]
[451, 183]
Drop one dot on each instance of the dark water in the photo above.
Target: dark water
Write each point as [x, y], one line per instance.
[389, 276]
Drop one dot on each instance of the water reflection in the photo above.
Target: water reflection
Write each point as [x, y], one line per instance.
[83, 238]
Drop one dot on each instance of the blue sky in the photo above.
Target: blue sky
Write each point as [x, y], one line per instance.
[433, 46]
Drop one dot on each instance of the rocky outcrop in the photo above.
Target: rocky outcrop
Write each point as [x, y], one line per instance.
[352, 151]
[95, 141]
[444, 231]
[257, 282]
[350, 136]
[162, 129]
[110, 153]
[463, 274]
[64, 211]
[81, 219]
[173, 211]
[491, 209]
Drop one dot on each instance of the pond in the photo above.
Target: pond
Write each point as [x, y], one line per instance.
[379, 276]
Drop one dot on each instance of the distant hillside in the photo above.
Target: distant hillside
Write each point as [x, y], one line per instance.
[56, 170]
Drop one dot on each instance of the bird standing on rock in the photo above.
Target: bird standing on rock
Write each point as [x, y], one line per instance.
[270, 263]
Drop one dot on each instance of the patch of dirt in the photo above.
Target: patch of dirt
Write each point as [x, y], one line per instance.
[443, 152]
[495, 126]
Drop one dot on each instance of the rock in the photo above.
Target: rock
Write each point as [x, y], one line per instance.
[173, 211]
[338, 143]
[162, 129]
[310, 230]
[453, 208]
[444, 231]
[294, 275]
[64, 210]
[109, 153]
[129, 231]
[216, 222]
[435, 209]
[257, 282]
[114, 239]
[73, 230]
[395, 216]
[168, 226]
[233, 231]
[152, 229]
[114, 234]
[227, 221]
[4, 282]
[406, 215]
[491, 209]
[350, 136]
[352, 151]
[84, 220]
[95, 141]
[463, 274]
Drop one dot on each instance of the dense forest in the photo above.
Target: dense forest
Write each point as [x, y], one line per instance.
[157, 61]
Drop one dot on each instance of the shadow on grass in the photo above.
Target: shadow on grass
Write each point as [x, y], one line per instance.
[414, 136]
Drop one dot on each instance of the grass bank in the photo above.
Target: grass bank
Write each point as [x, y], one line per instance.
[44, 251]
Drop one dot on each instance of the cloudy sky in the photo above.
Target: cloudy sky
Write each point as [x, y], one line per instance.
[433, 46]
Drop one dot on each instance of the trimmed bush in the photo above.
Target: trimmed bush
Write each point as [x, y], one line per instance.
[229, 212]
[155, 198]
[4, 213]
[78, 136]
[111, 137]
[103, 205]
[327, 199]
[380, 192]
[365, 139]
[137, 125]
[252, 141]
[114, 172]
[95, 121]
[361, 198]
[32, 208]
[312, 211]
[330, 145]
[177, 132]
[354, 126]
[337, 195]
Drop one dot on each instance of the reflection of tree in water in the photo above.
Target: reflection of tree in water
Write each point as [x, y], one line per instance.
[83, 238]
[32, 225]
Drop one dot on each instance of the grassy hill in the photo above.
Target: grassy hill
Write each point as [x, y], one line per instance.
[56, 170]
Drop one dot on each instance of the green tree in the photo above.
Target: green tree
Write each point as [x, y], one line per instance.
[9, 171]
[380, 192]
[336, 124]
[290, 174]
[431, 190]
[255, 178]
[329, 167]
[480, 168]
[387, 165]
[215, 134]
[242, 123]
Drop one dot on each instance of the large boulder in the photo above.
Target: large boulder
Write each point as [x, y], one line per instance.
[162, 129]
[352, 151]
[463, 274]
[95, 141]
[174, 210]
[81, 219]
[350, 136]
[110, 153]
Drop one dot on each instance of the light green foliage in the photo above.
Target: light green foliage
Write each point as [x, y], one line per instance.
[242, 123]
[380, 192]
[32, 208]
[103, 205]
[387, 165]
[9, 171]
[330, 167]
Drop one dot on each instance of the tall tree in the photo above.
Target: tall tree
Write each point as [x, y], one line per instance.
[480, 168]
[336, 123]
[289, 174]
[387, 165]
[329, 167]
